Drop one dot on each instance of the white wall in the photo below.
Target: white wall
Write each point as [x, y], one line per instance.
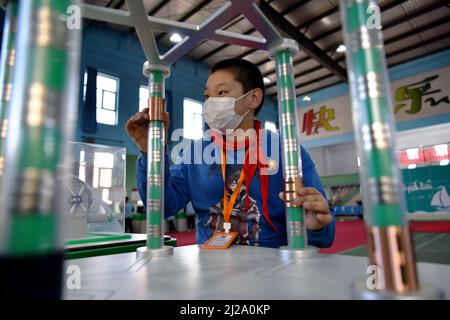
[341, 159]
[424, 136]
[335, 159]
[318, 156]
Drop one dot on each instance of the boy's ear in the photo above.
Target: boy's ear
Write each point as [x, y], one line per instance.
[257, 96]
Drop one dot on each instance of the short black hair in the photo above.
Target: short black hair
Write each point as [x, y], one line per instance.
[246, 73]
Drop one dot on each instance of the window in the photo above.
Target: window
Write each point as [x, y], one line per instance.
[269, 125]
[106, 98]
[102, 180]
[143, 97]
[441, 154]
[441, 150]
[424, 156]
[413, 154]
[84, 86]
[192, 119]
[107, 88]
[82, 170]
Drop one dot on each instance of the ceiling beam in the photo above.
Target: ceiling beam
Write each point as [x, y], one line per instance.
[240, 18]
[116, 4]
[152, 12]
[293, 6]
[304, 42]
[158, 7]
[224, 46]
[221, 47]
[286, 11]
[318, 79]
[421, 56]
[426, 42]
[384, 7]
[415, 31]
[390, 66]
[393, 39]
[246, 53]
[414, 14]
[317, 18]
[187, 15]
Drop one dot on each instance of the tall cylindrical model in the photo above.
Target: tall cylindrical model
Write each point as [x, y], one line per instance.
[8, 57]
[155, 161]
[155, 165]
[390, 245]
[291, 154]
[40, 120]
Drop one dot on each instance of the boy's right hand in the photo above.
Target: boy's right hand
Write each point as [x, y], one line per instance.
[137, 128]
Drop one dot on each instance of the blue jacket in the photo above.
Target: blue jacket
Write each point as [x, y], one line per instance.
[203, 185]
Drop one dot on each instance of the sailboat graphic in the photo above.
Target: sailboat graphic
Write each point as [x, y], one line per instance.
[441, 199]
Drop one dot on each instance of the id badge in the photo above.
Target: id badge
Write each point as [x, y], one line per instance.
[220, 240]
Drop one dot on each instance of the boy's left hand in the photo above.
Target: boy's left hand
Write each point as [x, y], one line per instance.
[317, 212]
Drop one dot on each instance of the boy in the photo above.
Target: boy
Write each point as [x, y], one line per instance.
[234, 95]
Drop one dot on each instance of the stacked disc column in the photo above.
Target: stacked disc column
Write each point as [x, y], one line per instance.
[155, 163]
[43, 93]
[155, 166]
[292, 163]
[8, 56]
[390, 245]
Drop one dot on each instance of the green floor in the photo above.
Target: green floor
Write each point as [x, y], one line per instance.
[429, 247]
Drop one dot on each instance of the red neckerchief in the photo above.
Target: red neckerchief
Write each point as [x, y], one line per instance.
[250, 168]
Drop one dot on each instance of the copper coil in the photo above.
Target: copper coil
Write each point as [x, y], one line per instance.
[155, 108]
[292, 187]
[390, 249]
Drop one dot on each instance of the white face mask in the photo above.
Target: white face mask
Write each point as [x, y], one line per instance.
[219, 113]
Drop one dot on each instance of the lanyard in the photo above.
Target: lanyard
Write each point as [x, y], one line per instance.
[247, 173]
[228, 205]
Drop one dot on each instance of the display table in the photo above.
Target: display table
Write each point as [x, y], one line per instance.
[240, 272]
[99, 244]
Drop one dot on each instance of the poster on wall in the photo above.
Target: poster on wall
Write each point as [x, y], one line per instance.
[427, 191]
[421, 96]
